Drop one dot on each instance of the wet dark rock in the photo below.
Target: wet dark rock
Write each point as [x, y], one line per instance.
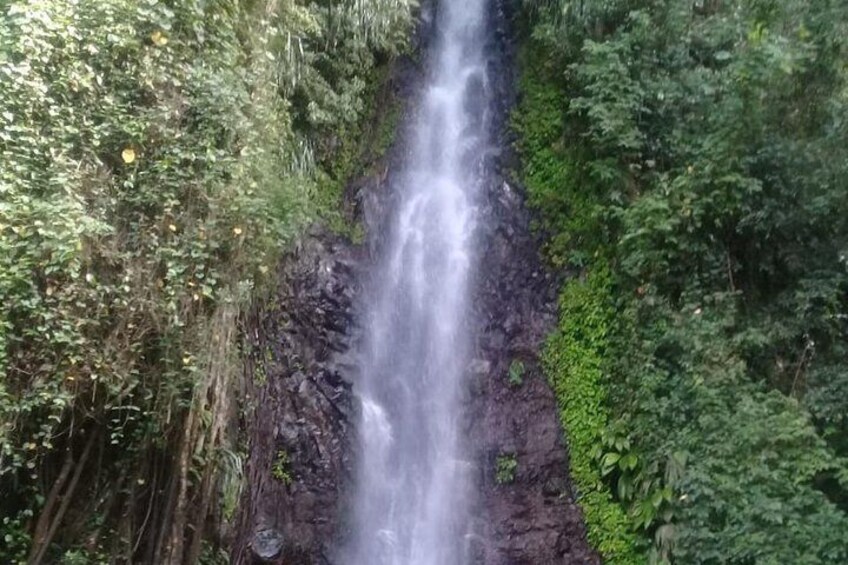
[267, 545]
[533, 519]
[301, 414]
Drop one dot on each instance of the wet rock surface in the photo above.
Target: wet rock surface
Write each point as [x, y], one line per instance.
[530, 518]
[267, 545]
[301, 413]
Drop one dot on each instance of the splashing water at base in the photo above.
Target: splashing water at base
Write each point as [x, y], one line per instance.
[412, 495]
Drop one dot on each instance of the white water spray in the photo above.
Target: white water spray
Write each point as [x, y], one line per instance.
[414, 482]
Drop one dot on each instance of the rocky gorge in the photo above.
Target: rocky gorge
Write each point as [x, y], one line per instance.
[302, 410]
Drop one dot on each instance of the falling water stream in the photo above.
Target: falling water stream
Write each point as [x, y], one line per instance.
[414, 483]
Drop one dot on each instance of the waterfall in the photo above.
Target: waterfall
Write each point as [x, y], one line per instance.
[415, 476]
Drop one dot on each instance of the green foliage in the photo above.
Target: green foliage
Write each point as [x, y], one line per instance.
[557, 182]
[213, 556]
[155, 157]
[82, 557]
[574, 363]
[506, 466]
[744, 459]
[281, 468]
[695, 153]
[16, 539]
[516, 373]
[358, 146]
[231, 468]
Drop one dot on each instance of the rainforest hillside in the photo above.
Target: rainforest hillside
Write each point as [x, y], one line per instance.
[688, 161]
[685, 164]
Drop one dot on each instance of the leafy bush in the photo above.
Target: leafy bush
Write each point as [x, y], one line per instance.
[516, 372]
[741, 460]
[574, 360]
[505, 468]
[551, 167]
[696, 152]
[156, 156]
[281, 469]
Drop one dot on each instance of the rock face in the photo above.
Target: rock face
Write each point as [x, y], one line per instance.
[300, 422]
[528, 518]
[267, 545]
[302, 414]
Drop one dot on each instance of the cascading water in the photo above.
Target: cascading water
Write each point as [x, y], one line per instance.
[413, 489]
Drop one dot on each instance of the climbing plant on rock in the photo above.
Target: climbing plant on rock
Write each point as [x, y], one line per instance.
[155, 156]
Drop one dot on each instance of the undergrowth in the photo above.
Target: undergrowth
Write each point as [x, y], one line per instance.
[687, 163]
[506, 466]
[156, 157]
[575, 361]
[574, 356]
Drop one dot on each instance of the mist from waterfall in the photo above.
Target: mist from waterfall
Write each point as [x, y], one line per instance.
[415, 474]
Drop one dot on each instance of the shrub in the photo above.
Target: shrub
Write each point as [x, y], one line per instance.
[574, 361]
[695, 153]
[505, 467]
[516, 373]
[156, 157]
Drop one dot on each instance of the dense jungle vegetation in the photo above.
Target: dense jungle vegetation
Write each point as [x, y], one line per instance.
[690, 161]
[155, 158]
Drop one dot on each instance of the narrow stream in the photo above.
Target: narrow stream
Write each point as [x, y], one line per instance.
[414, 483]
